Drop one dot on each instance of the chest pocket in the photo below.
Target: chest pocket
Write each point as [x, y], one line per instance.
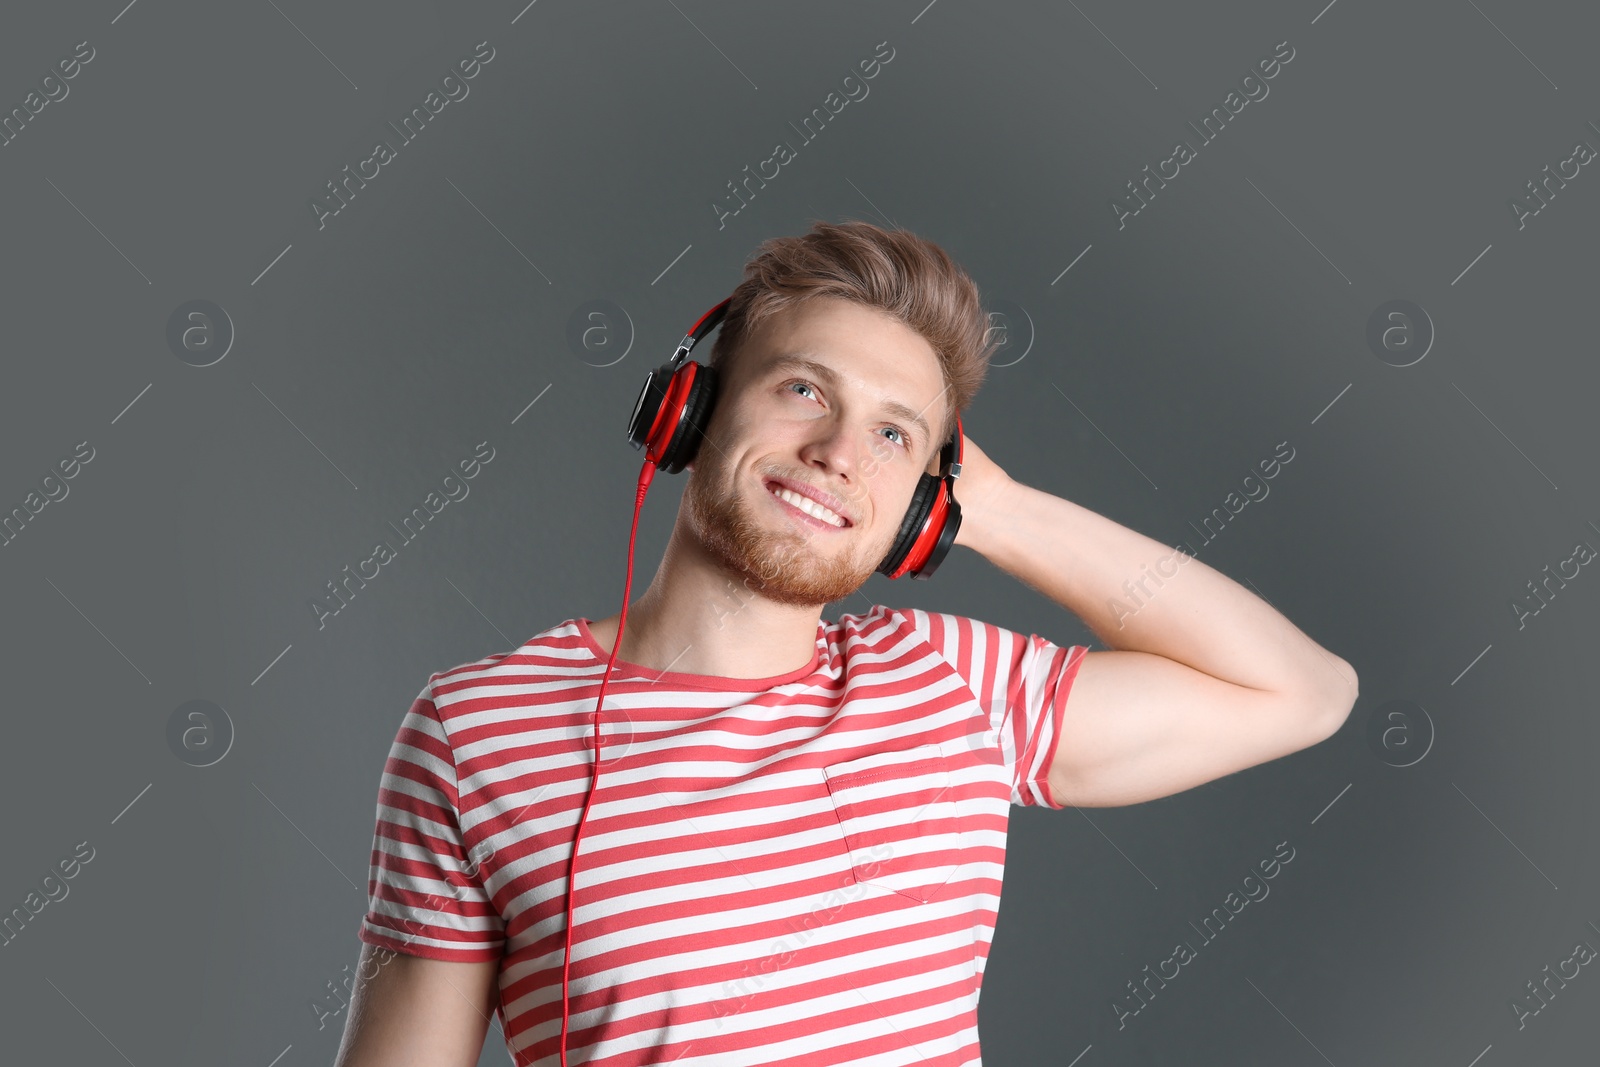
[900, 821]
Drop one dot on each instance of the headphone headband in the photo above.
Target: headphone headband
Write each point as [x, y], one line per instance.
[708, 322]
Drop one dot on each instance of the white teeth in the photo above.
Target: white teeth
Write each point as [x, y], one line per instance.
[807, 505]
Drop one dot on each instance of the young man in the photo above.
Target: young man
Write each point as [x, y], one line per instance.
[794, 854]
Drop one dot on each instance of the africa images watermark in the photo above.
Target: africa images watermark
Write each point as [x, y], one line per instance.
[13, 123]
[1540, 594]
[1255, 90]
[783, 153]
[55, 490]
[341, 191]
[735, 995]
[1255, 490]
[1183, 953]
[52, 886]
[340, 591]
[1525, 1008]
[1540, 192]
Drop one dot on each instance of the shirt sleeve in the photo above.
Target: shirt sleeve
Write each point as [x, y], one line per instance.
[425, 895]
[1021, 681]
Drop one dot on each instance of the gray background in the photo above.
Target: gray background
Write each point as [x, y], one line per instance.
[372, 354]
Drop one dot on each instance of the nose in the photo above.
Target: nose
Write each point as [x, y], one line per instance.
[831, 448]
[838, 451]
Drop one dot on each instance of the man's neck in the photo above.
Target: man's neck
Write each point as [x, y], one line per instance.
[695, 619]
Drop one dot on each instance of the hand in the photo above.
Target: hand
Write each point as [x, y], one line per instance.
[981, 491]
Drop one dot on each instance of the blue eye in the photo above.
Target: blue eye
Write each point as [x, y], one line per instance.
[902, 439]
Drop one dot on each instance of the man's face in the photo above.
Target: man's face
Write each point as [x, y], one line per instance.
[857, 438]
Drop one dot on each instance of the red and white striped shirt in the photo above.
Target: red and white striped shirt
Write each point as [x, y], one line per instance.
[801, 869]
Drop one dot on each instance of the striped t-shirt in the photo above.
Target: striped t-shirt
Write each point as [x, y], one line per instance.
[801, 869]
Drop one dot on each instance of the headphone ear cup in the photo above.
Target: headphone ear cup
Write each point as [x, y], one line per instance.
[922, 500]
[690, 429]
[645, 410]
[939, 537]
[927, 533]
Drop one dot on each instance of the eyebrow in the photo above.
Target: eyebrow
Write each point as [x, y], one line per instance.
[796, 361]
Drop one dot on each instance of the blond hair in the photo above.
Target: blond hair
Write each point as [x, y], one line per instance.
[895, 271]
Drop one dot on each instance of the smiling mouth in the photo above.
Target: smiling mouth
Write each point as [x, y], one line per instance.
[811, 511]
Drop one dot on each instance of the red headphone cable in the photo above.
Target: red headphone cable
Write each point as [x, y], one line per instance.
[645, 475]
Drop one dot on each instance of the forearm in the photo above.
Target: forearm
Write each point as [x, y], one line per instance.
[1137, 594]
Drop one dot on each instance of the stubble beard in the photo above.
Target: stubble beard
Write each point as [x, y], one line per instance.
[787, 568]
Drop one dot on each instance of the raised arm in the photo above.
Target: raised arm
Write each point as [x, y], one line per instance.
[1204, 678]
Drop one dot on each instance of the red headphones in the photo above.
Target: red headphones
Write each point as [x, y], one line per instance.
[668, 422]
